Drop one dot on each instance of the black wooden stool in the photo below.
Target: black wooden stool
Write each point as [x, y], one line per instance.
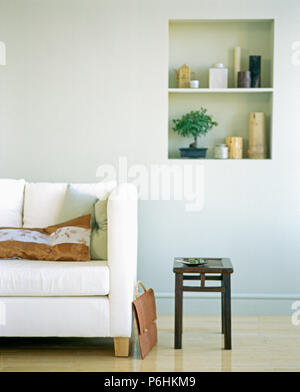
[215, 270]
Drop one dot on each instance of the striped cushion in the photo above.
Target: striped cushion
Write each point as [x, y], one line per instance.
[68, 241]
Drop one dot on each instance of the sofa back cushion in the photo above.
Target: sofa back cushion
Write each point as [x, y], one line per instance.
[11, 202]
[101, 190]
[43, 203]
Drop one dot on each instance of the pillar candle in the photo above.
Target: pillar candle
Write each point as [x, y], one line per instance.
[235, 147]
[237, 64]
[257, 136]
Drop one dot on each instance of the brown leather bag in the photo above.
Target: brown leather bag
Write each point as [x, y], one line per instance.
[144, 310]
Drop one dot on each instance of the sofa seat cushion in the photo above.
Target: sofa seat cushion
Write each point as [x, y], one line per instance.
[50, 278]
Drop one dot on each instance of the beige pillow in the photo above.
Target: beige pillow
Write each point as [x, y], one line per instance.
[76, 203]
[69, 241]
[99, 233]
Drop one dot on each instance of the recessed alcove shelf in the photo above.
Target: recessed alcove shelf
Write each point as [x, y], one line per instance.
[200, 44]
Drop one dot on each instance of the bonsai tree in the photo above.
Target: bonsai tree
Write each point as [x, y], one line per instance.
[194, 124]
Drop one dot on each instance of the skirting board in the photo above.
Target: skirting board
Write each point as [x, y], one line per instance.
[242, 304]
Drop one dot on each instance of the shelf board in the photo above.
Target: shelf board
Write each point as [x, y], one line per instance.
[219, 91]
[215, 159]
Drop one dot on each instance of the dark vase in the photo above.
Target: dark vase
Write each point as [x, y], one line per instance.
[255, 69]
[244, 79]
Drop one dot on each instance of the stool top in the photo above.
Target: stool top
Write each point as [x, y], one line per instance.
[214, 265]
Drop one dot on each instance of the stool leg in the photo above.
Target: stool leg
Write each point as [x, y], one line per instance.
[227, 311]
[223, 312]
[178, 310]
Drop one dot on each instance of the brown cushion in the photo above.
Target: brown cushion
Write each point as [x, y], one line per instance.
[68, 241]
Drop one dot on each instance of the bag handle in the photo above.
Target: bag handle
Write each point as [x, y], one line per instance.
[137, 288]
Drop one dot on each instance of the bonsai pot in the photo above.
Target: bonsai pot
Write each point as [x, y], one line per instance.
[193, 152]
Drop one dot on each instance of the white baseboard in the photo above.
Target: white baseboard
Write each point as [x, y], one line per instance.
[242, 303]
[250, 296]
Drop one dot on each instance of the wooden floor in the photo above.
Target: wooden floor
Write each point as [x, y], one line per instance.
[259, 344]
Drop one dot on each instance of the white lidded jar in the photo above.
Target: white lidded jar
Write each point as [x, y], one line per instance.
[218, 76]
[221, 151]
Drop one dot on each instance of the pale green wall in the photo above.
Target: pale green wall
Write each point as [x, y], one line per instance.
[86, 82]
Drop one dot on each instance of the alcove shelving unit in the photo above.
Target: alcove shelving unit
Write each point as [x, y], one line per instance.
[202, 43]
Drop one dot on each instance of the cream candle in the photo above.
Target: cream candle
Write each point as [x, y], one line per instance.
[237, 64]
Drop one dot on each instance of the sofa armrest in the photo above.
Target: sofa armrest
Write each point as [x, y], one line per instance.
[122, 257]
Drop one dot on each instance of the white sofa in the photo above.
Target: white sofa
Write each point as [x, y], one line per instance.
[79, 299]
